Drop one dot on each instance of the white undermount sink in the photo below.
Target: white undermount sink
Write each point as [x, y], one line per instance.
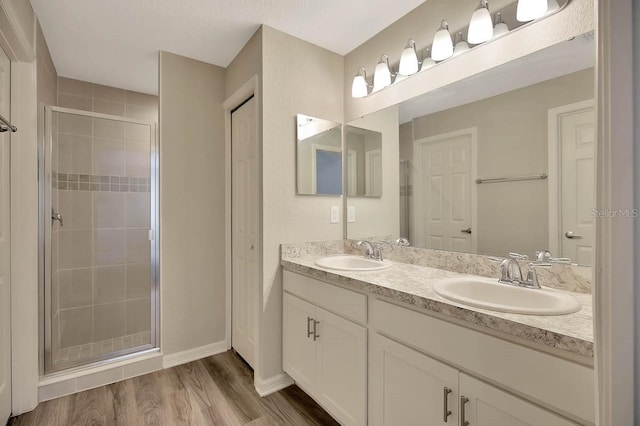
[352, 263]
[487, 293]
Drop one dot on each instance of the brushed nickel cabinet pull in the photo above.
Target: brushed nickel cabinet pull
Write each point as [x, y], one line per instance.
[315, 330]
[463, 420]
[446, 412]
[309, 332]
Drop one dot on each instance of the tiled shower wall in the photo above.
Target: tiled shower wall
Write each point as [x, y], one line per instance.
[101, 278]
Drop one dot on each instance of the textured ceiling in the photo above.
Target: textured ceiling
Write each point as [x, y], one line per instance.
[116, 42]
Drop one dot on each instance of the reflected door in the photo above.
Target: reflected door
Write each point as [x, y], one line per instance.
[443, 211]
[5, 247]
[577, 147]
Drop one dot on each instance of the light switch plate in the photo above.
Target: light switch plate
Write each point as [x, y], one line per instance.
[335, 214]
[351, 214]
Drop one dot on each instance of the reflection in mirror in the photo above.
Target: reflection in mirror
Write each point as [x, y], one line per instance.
[364, 162]
[501, 162]
[319, 156]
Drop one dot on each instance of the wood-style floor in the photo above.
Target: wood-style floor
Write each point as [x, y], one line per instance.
[213, 391]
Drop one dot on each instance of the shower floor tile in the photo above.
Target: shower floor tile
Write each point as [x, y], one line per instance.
[96, 349]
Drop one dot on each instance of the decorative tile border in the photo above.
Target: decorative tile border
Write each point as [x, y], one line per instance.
[82, 182]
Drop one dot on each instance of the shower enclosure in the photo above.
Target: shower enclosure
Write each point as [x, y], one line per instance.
[98, 208]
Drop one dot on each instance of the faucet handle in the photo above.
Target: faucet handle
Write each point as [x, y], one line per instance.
[543, 255]
[518, 256]
[402, 241]
[532, 276]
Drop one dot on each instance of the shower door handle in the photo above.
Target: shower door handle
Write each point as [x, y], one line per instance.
[56, 216]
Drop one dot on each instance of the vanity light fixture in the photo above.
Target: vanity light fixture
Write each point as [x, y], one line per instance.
[360, 87]
[409, 60]
[481, 25]
[461, 45]
[481, 29]
[427, 62]
[382, 75]
[528, 10]
[501, 27]
[442, 47]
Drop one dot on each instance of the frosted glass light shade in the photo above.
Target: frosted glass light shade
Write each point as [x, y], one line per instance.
[408, 60]
[528, 10]
[382, 74]
[500, 27]
[359, 87]
[552, 6]
[442, 47]
[461, 46]
[481, 25]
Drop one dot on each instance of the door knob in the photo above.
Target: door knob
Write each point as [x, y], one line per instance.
[466, 231]
[571, 235]
[57, 216]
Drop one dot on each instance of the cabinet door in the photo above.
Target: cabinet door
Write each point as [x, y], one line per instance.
[490, 406]
[299, 350]
[341, 369]
[408, 387]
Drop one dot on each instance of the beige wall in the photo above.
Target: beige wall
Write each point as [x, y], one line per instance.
[380, 217]
[192, 182]
[245, 65]
[421, 24]
[512, 134]
[298, 77]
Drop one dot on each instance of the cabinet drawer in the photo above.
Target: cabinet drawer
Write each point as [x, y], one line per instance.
[345, 303]
[562, 385]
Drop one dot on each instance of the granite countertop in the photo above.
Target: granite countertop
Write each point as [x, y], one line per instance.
[412, 284]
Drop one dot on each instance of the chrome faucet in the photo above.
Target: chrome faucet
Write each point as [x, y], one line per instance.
[372, 251]
[510, 273]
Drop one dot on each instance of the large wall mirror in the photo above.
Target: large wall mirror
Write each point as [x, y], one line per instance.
[501, 162]
[364, 162]
[319, 156]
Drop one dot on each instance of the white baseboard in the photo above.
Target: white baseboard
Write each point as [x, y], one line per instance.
[194, 354]
[273, 384]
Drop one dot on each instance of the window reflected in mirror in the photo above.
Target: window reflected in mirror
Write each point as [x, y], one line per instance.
[319, 156]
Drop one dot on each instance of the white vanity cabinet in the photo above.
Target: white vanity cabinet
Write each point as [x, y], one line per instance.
[368, 360]
[325, 353]
[411, 388]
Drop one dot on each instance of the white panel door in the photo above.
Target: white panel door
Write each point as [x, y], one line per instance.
[443, 208]
[245, 210]
[410, 388]
[373, 174]
[577, 150]
[490, 406]
[341, 368]
[5, 245]
[299, 349]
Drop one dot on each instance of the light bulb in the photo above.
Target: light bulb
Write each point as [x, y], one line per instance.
[442, 47]
[501, 27]
[382, 74]
[528, 10]
[461, 45]
[481, 25]
[408, 59]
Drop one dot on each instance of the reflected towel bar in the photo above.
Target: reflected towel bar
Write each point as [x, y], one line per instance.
[512, 179]
[7, 125]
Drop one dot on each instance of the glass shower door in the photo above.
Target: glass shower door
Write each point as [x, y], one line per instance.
[99, 216]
